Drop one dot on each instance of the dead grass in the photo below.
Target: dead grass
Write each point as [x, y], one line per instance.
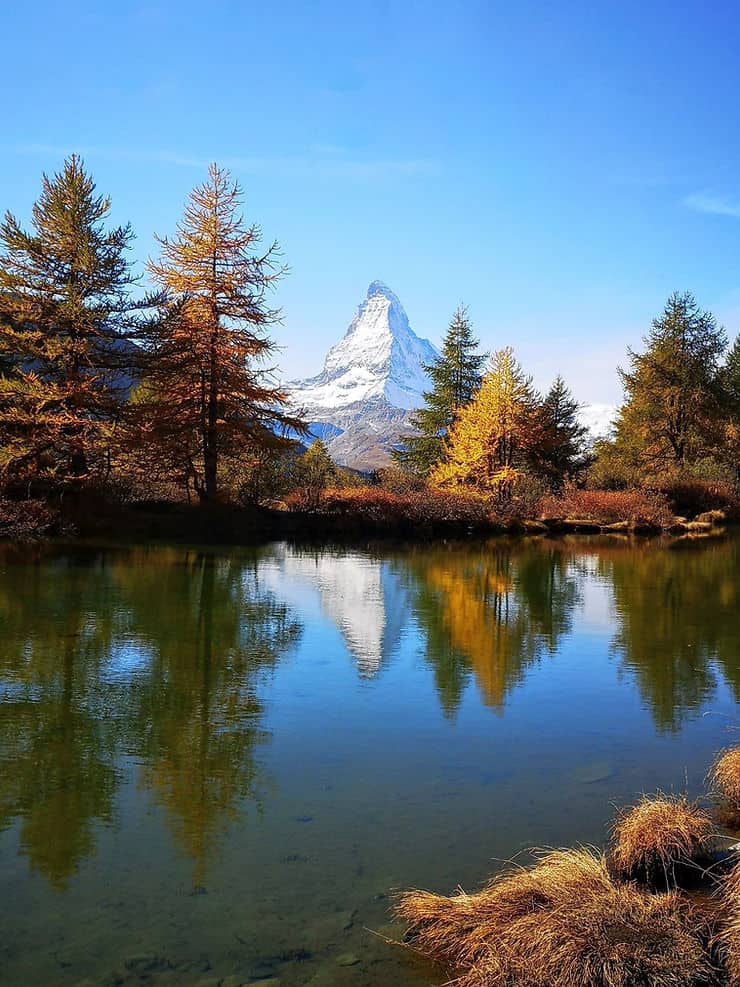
[662, 842]
[724, 779]
[561, 923]
[728, 940]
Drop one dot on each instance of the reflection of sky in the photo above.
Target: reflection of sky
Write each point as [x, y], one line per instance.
[127, 659]
[596, 611]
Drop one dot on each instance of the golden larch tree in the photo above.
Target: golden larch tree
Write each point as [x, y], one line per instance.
[488, 443]
[207, 393]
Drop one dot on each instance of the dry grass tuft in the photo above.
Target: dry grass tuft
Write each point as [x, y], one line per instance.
[728, 940]
[662, 842]
[724, 778]
[561, 923]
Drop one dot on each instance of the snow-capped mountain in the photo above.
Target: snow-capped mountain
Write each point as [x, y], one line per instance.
[598, 419]
[372, 379]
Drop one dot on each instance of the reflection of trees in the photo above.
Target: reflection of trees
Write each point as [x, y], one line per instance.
[490, 611]
[56, 742]
[678, 614]
[211, 633]
[156, 654]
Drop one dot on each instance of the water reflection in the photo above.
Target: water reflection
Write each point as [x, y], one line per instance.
[158, 658]
[677, 615]
[360, 594]
[491, 612]
[195, 634]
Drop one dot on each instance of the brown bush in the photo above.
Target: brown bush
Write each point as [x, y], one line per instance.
[662, 842]
[609, 506]
[561, 923]
[380, 506]
[691, 497]
[28, 519]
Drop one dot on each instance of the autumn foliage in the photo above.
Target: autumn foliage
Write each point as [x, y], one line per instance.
[205, 395]
[609, 506]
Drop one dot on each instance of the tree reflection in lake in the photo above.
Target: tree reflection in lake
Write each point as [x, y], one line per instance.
[157, 658]
[677, 610]
[157, 654]
[491, 611]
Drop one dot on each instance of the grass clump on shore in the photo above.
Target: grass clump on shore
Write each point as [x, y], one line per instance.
[724, 778]
[662, 842]
[563, 923]
[728, 940]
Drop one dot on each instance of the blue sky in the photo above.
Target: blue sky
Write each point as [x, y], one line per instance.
[560, 167]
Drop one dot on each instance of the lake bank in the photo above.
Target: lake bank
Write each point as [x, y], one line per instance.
[222, 524]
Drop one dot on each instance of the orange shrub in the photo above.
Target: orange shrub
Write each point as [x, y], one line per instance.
[609, 506]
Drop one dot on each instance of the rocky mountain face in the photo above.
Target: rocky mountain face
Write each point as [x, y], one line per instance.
[372, 380]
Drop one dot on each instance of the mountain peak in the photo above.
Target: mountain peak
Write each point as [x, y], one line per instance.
[376, 369]
[380, 288]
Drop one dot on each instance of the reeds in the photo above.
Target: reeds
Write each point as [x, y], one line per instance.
[562, 923]
[662, 842]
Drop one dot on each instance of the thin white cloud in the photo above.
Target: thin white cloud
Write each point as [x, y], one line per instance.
[321, 161]
[715, 205]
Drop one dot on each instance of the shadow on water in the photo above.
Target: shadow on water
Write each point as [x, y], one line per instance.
[219, 764]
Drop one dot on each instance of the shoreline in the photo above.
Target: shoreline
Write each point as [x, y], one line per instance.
[227, 525]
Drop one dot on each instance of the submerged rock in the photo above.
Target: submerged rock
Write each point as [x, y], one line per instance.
[591, 772]
[347, 959]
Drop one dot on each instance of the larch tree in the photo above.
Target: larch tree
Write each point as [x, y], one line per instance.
[455, 377]
[65, 310]
[561, 452]
[207, 392]
[671, 418]
[488, 444]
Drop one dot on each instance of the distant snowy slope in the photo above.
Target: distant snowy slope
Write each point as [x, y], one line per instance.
[598, 419]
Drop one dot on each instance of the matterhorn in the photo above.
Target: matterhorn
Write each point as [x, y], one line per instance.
[373, 379]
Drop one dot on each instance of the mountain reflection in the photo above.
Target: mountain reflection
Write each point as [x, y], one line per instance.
[153, 653]
[361, 595]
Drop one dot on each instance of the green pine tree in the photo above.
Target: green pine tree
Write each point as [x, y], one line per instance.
[455, 376]
[672, 417]
[732, 378]
[64, 300]
[562, 451]
[731, 389]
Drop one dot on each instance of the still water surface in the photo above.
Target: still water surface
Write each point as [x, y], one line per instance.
[220, 764]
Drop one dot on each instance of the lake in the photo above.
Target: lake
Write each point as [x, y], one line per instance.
[221, 764]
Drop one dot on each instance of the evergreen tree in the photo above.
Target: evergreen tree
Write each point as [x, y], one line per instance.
[732, 378]
[455, 376]
[562, 451]
[489, 443]
[208, 392]
[64, 306]
[731, 381]
[672, 415]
